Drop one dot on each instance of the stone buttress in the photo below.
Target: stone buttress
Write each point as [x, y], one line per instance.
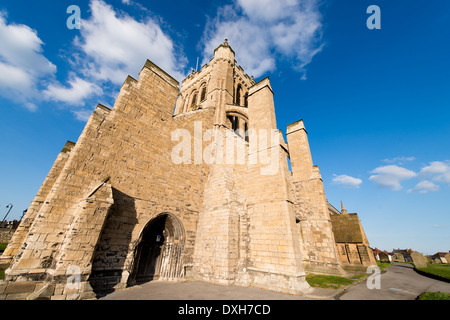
[311, 206]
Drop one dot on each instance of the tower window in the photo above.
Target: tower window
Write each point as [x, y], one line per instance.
[239, 126]
[233, 122]
[246, 131]
[238, 94]
[203, 94]
[193, 102]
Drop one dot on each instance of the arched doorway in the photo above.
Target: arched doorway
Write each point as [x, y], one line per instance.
[159, 252]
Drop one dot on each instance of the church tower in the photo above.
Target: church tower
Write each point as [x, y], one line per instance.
[246, 232]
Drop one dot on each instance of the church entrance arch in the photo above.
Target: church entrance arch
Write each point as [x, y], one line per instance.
[159, 252]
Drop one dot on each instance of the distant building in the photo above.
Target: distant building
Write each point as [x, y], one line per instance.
[405, 253]
[383, 256]
[440, 257]
[12, 225]
[7, 229]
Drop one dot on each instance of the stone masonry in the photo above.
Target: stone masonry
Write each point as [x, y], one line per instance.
[177, 182]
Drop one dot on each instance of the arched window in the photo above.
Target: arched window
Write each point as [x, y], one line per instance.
[186, 103]
[239, 126]
[246, 100]
[203, 94]
[238, 94]
[193, 102]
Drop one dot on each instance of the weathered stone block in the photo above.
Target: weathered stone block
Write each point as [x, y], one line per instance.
[419, 260]
[20, 287]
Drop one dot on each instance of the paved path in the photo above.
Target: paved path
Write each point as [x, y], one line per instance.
[195, 290]
[399, 282]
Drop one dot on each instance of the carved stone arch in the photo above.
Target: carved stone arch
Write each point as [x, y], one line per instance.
[159, 250]
[238, 123]
[193, 105]
[237, 113]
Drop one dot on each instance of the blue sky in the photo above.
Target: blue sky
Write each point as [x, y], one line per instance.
[375, 103]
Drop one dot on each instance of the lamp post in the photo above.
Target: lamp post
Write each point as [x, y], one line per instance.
[23, 213]
[10, 206]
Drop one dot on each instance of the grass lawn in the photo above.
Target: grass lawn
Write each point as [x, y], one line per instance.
[323, 281]
[434, 296]
[383, 265]
[442, 270]
[3, 246]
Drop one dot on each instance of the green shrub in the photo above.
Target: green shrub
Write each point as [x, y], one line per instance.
[434, 296]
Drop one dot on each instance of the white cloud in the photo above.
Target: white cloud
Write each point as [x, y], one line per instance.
[399, 159]
[439, 171]
[22, 63]
[424, 187]
[83, 114]
[390, 176]
[114, 46]
[347, 181]
[16, 79]
[440, 226]
[78, 91]
[111, 46]
[260, 31]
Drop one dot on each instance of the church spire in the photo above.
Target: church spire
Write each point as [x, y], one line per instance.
[343, 210]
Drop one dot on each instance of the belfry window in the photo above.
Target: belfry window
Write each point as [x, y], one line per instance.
[193, 102]
[203, 94]
[238, 95]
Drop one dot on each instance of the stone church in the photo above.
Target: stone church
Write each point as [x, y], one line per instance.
[178, 182]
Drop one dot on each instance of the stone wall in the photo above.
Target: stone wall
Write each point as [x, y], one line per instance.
[347, 228]
[130, 148]
[6, 235]
[36, 204]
